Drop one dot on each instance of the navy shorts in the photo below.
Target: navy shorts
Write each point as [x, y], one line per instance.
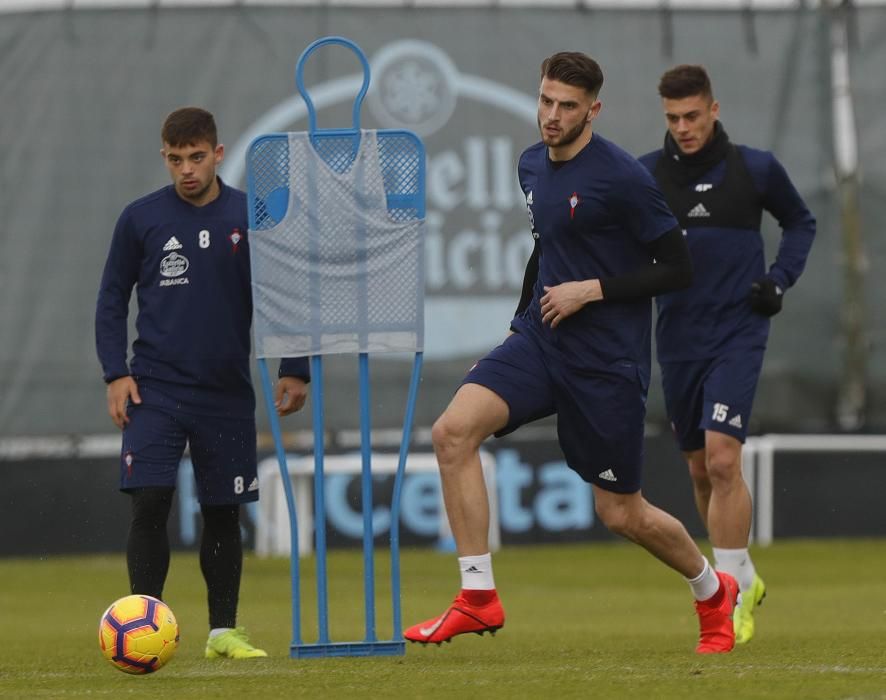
[600, 414]
[715, 394]
[222, 448]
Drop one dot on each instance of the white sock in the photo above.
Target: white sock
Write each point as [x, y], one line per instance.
[705, 584]
[737, 563]
[218, 630]
[476, 572]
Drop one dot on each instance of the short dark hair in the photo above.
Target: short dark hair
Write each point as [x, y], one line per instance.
[188, 126]
[685, 81]
[574, 68]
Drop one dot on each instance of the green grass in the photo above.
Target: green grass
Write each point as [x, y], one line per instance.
[584, 621]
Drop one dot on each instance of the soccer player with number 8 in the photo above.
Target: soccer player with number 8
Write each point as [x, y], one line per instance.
[185, 250]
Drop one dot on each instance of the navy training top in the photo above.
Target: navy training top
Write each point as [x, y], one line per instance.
[190, 268]
[714, 315]
[593, 217]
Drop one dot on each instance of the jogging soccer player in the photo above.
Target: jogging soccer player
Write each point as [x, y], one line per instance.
[580, 348]
[185, 250]
[711, 337]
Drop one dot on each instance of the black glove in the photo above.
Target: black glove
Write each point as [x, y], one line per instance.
[766, 297]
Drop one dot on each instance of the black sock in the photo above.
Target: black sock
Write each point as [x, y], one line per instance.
[221, 561]
[147, 550]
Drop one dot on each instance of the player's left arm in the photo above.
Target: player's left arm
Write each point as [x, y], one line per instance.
[781, 199]
[637, 201]
[647, 217]
[669, 270]
[291, 389]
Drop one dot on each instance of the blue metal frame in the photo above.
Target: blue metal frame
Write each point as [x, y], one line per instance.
[371, 645]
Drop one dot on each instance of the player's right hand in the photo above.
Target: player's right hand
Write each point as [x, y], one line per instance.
[120, 392]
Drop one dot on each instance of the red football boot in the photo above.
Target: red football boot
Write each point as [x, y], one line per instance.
[460, 618]
[715, 617]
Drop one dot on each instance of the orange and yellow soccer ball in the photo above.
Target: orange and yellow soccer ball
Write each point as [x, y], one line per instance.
[138, 634]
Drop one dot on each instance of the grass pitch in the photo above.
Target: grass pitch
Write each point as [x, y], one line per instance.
[584, 621]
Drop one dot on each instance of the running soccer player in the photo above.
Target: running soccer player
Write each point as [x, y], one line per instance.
[711, 337]
[580, 348]
[185, 250]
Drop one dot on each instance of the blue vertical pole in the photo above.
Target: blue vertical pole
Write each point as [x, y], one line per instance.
[294, 574]
[319, 497]
[395, 498]
[366, 486]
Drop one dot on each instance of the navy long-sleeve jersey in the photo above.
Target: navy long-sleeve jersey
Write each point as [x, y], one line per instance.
[593, 217]
[720, 214]
[190, 268]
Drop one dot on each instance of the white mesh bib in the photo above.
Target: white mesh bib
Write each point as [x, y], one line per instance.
[338, 274]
